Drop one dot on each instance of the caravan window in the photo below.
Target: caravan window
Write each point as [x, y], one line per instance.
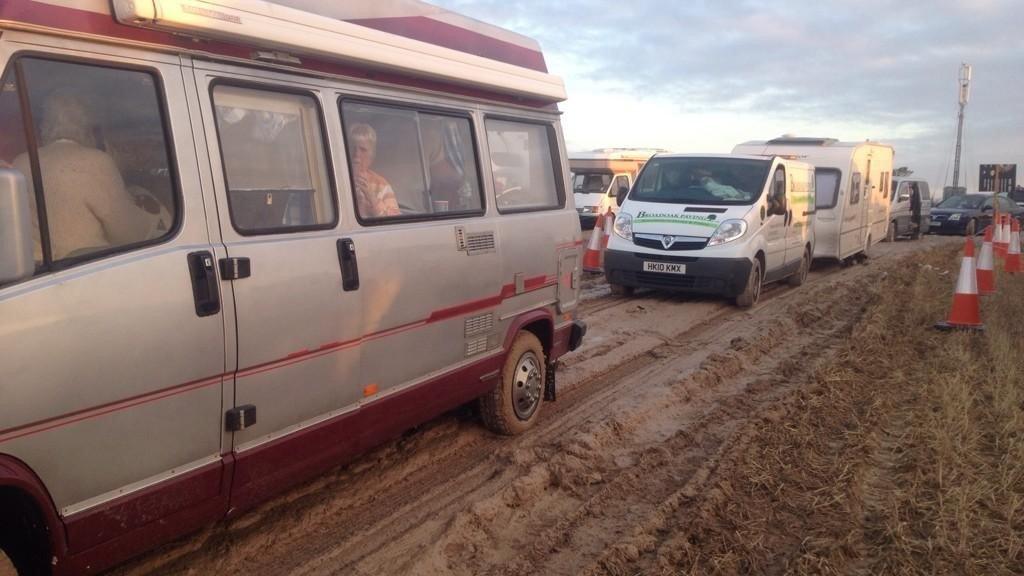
[410, 164]
[826, 184]
[855, 189]
[275, 166]
[91, 142]
[523, 165]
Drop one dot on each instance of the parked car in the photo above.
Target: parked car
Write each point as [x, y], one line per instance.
[908, 217]
[969, 214]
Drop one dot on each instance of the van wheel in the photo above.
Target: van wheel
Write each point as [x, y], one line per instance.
[890, 232]
[620, 290]
[752, 291]
[23, 551]
[514, 404]
[800, 276]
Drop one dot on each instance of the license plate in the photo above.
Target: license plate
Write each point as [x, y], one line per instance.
[665, 267]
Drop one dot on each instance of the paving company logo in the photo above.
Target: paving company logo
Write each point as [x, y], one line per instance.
[669, 218]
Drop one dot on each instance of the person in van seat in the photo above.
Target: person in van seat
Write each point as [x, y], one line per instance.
[87, 205]
[374, 196]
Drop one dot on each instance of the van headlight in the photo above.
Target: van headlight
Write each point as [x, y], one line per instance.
[728, 231]
[623, 226]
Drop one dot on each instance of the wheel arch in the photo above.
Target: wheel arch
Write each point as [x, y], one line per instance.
[539, 322]
[20, 485]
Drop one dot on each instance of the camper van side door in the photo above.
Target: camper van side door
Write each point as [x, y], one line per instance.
[298, 328]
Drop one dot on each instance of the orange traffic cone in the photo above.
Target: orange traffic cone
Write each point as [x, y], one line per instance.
[592, 257]
[966, 311]
[609, 221]
[1013, 263]
[1001, 241]
[986, 265]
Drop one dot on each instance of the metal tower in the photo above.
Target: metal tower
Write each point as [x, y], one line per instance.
[965, 94]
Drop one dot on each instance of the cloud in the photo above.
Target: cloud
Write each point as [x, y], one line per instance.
[690, 74]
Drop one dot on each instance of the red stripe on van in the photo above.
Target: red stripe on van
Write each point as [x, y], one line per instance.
[75, 22]
[507, 291]
[88, 413]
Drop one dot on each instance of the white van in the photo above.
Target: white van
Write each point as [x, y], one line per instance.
[599, 175]
[243, 242]
[853, 180]
[911, 210]
[718, 224]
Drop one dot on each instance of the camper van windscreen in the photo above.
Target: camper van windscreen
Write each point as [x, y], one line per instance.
[696, 180]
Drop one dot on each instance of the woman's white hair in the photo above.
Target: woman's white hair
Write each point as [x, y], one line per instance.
[65, 117]
[364, 133]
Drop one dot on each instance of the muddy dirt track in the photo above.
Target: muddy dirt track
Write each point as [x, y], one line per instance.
[664, 390]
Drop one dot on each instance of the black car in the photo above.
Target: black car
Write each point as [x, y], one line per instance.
[969, 214]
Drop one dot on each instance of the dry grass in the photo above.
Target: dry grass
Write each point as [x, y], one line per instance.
[905, 455]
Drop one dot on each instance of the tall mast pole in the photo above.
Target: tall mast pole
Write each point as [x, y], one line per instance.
[965, 94]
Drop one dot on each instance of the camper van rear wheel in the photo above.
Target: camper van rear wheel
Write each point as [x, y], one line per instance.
[514, 404]
[752, 291]
[800, 276]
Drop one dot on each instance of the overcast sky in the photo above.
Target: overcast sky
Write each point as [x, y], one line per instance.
[702, 76]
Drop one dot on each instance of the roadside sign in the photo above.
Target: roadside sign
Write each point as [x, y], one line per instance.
[997, 178]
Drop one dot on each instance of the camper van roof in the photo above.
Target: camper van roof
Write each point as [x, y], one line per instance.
[406, 42]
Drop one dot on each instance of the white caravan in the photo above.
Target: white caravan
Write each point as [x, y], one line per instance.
[852, 180]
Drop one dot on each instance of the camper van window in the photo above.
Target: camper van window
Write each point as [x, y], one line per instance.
[93, 149]
[621, 181]
[855, 188]
[826, 185]
[274, 160]
[697, 180]
[523, 166]
[410, 164]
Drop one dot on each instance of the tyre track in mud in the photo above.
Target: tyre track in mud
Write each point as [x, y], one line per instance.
[387, 511]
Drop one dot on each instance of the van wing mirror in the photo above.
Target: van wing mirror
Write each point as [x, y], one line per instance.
[16, 261]
[620, 195]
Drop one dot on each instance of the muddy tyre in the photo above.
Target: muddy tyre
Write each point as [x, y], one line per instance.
[514, 404]
[800, 276]
[972, 228]
[890, 232]
[752, 291]
[620, 290]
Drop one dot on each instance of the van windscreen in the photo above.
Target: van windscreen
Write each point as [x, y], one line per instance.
[698, 180]
[585, 182]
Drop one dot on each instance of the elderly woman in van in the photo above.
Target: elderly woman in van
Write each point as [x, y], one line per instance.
[87, 206]
[374, 196]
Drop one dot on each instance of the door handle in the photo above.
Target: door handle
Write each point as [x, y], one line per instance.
[349, 265]
[205, 291]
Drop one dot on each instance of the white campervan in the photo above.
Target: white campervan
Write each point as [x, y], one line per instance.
[852, 180]
[599, 175]
[718, 224]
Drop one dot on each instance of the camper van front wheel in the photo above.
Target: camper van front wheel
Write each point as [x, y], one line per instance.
[514, 404]
[752, 291]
